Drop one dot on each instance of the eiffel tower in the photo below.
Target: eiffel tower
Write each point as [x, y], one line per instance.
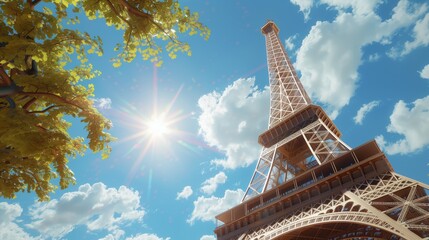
[309, 184]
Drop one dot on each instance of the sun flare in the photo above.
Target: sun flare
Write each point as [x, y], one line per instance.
[156, 133]
[157, 127]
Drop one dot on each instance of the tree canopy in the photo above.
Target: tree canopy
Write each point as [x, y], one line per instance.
[43, 71]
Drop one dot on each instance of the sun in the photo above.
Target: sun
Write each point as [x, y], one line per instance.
[157, 132]
[158, 127]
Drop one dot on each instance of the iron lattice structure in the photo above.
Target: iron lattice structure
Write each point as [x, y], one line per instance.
[309, 184]
[300, 134]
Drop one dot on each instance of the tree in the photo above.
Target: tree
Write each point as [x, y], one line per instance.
[43, 69]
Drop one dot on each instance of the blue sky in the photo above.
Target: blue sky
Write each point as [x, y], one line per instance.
[365, 62]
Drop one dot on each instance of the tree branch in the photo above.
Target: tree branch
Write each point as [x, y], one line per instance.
[12, 103]
[46, 109]
[139, 13]
[117, 13]
[29, 103]
[34, 3]
[134, 10]
[51, 95]
[123, 19]
[4, 77]
[41, 127]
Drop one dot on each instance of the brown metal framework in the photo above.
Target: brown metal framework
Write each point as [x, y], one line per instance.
[300, 135]
[308, 184]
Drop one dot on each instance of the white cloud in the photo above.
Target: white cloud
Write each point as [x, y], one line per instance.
[420, 33]
[357, 6]
[9, 212]
[380, 141]
[205, 209]
[95, 206]
[289, 45]
[304, 6]
[411, 123]
[374, 57]
[330, 55]
[102, 103]
[425, 72]
[210, 185]
[232, 120]
[114, 236]
[9, 229]
[364, 110]
[332, 52]
[146, 236]
[208, 237]
[406, 14]
[185, 193]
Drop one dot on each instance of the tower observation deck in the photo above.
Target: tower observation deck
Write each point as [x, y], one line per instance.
[309, 184]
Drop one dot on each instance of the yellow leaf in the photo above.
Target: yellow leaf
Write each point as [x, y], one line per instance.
[117, 64]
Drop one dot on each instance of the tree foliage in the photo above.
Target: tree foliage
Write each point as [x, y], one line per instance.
[43, 69]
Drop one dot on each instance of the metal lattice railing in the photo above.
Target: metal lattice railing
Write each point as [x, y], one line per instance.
[360, 205]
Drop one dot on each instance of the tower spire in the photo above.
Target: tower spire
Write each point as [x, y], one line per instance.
[287, 93]
[300, 135]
